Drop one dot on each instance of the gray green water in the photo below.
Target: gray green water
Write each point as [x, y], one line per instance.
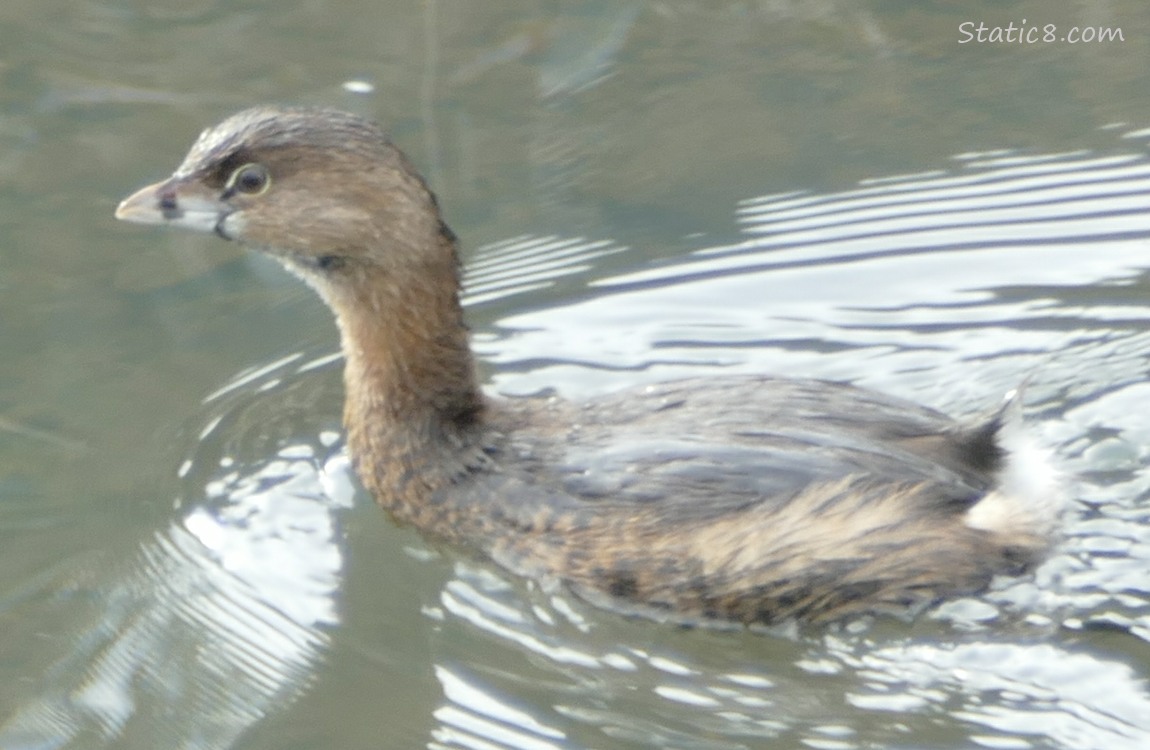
[644, 190]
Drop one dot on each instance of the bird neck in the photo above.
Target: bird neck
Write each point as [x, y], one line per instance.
[413, 408]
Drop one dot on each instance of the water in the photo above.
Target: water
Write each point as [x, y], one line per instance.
[645, 190]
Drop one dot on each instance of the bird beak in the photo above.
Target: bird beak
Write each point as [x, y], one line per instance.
[176, 202]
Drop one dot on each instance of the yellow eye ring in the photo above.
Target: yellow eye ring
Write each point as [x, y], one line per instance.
[250, 179]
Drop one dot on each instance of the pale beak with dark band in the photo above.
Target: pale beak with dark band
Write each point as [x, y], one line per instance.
[176, 202]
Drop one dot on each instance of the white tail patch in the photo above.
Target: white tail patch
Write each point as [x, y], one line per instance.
[1031, 492]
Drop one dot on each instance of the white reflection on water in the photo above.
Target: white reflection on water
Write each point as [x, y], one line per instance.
[223, 615]
[1045, 691]
[533, 678]
[928, 272]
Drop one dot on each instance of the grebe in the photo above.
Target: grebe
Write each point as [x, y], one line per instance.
[744, 499]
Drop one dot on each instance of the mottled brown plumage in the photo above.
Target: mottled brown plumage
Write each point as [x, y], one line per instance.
[740, 499]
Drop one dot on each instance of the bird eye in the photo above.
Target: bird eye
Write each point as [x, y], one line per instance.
[250, 179]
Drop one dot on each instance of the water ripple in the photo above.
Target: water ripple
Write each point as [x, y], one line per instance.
[226, 612]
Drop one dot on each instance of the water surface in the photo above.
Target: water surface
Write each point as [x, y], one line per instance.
[645, 190]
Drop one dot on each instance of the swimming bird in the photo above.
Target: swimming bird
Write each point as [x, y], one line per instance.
[745, 499]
